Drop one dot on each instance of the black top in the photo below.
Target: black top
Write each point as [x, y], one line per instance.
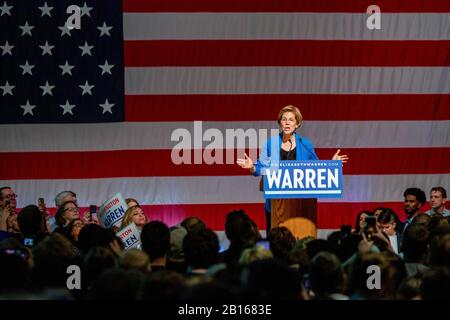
[288, 155]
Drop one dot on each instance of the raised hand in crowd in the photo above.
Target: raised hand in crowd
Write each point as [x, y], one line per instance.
[46, 225]
[366, 244]
[379, 234]
[5, 214]
[116, 248]
[87, 218]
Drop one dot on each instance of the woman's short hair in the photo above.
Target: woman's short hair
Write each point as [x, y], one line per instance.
[135, 259]
[59, 215]
[389, 216]
[294, 110]
[254, 253]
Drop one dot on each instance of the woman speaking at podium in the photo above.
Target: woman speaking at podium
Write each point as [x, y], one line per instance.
[287, 145]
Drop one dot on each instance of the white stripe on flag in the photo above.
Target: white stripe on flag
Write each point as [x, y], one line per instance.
[157, 135]
[214, 189]
[264, 80]
[295, 26]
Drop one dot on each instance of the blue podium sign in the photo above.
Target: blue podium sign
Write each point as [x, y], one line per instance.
[303, 179]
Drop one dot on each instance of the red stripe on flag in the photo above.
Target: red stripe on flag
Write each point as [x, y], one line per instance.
[329, 215]
[286, 53]
[148, 163]
[212, 214]
[333, 215]
[284, 6]
[324, 107]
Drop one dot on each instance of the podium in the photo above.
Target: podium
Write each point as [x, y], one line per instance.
[292, 187]
[283, 209]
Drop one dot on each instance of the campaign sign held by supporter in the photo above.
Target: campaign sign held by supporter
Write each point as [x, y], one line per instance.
[130, 237]
[112, 211]
[304, 179]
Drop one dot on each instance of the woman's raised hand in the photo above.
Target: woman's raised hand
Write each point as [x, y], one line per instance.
[245, 163]
[343, 158]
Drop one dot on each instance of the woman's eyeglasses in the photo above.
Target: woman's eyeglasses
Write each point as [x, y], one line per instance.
[9, 196]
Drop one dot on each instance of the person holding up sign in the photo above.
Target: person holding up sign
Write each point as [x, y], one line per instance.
[287, 145]
[134, 214]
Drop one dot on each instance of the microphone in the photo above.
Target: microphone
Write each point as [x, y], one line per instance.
[290, 142]
[290, 149]
[301, 141]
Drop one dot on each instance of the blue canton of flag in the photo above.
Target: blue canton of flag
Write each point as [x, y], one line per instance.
[52, 74]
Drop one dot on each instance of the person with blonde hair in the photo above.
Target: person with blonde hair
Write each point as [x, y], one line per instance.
[254, 253]
[287, 145]
[134, 214]
[135, 259]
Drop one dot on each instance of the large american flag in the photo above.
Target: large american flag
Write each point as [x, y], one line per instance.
[92, 110]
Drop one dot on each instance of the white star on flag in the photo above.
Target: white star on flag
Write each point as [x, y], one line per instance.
[65, 30]
[47, 89]
[6, 9]
[67, 108]
[26, 68]
[66, 68]
[7, 88]
[46, 48]
[86, 49]
[86, 88]
[107, 106]
[106, 68]
[26, 29]
[45, 10]
[85, 10]
[104, 29]
[28, 108]
[7, 48]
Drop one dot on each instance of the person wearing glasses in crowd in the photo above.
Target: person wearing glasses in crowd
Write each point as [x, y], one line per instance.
[72, 232]
[73, 229]
[60, 199]
[8, 197]
[66, 213]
